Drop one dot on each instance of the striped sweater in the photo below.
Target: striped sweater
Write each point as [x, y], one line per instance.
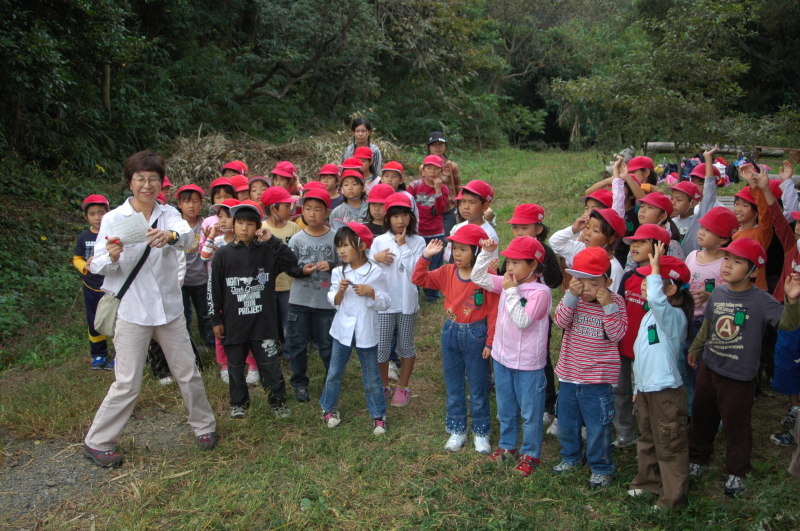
[589, 351]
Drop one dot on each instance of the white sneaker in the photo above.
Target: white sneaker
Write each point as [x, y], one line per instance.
[455, 442]
[252, 377]
[393, 374]
[553, 429]
[223, 375]
[547, 418]
[167, 380]
[482, 445]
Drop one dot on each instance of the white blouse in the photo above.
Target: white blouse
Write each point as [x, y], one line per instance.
[357, 315]
[403, 293]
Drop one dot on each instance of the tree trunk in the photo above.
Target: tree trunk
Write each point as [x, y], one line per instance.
[106, 88]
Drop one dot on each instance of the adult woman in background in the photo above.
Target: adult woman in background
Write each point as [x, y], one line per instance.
[362, 137]
[451, 177]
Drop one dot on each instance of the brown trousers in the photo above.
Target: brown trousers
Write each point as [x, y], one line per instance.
[663, 448]
[716, 398]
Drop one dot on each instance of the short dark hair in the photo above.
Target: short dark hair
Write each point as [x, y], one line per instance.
[187, 195]
[226, 187]
[307, 199]
[607, 229]
[144, 161]
[465, 192]
[393, 211]
[247, 215]
[86, 208]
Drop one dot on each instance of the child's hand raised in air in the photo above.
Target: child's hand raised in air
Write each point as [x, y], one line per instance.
[708, 154]
[655, 258]
[509, 281]
[384, 257]
[433, 248]
[576, 287]
[748, 173]
[494, 266]
[791, 287]
[786, 171]
[762, 179]
[580, 223]
[488, 245]
[604, 296]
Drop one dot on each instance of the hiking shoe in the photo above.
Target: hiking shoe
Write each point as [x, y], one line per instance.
[547, 418]
[379, 426]
[526, 465]
[393, 374]
[562, 467]
[455, 442]
[98, 362]
[331, 418]
[301, 394]
[695, 470]
[401, 397]
[635, 493]
[167, 380]
[553, 428]
[623, 441]
[791, 416]
[207, 441]
[223, 375]
[109, 366]
[503, 455]
[281, 411]
[482, 445]
[783, 439]
[733, 486]
[252, 378]
[599, 481]
[237, 412]
[101, 458]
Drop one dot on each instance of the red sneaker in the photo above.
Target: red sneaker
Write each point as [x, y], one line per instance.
[527, 464]
[502, 455]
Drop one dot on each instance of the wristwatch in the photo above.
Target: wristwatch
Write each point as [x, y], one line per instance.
[174, 236]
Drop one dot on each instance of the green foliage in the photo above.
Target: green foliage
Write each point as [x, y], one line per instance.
[520, 122]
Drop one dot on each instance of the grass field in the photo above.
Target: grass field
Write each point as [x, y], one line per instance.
[295, 473]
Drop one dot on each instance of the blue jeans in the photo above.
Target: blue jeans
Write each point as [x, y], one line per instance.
[307, 324]
[787, 363]
[373, 386]
[591, 405]
[520, 394]
[462, 354]
[436, 263]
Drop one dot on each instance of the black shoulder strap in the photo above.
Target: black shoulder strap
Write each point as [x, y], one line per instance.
[136, 269]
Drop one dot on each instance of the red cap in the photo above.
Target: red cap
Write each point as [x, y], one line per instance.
[639, 163]
[261, 178]
[329, 169]
[592, 262]
[775, 187]
[524, 248]
[403, 200]
[274, 195]
[434, 160]
[746, 194]
[469, 234]
[796, 216]
[671, 267]
[527, 214]
[603, 196]
[316, 193]
[310, 185]
[240, 183]
[230, 202]
[393, 166]
[658, 200]
[94, 199]
[352, 164]
[165, 182]
[649, 231]
[379, 193]
[720, 221]
[479, 188]
[236, 165]
[700, 171]
[285, 169]
[361, 230]
[613, 219]
[748, 249]
[352, 173]
[222, 181]
[190, 188]
[688, 188]
[247, 203]
[160, 198]
[363, 152]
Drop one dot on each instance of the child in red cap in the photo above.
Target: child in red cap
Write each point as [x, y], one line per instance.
[755, 220]
[376, 212]
[371, 178]
[656, 208]
[474, 200]
[451, 177]
[691, 202]
[329, 176]
[94, 208]
[355, 206]
[220, 190]
[729, 343]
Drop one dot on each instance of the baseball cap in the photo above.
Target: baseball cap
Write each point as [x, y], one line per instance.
[524, 248]
[275, 195]
[379, 193]
[403, 200]
[639, 163]
[94, 199]
[329, 169]
[190, 188]
[649, 231]
[469, 234]
[240, 183]
[316, 193]
[720, 221]
[602, 196]
[434, 160]
[592, 262]
[748, 249]
[285, 169]
[247, 203]
[237, 166]
[671, 267]
[700, 171]
[230, 202]
[613, 219]
[527, 214]
[363, 152]
[352, 173]
[361, 230]
[393, 166]
[436, 136]
[688, 188]
[165, 182]
[479, 188]
[658, 200]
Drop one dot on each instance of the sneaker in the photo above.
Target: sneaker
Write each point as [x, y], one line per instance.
[387, 392]
[101, 458]
[695, 470]
[237, 412]
[98, 362]
[281, 411]
[783, 439]
[599, 481]
[547, 418]
[553, 429]
[207, 441]
[482, 445]
[503, 455]
[526, 465]
[109, 366]
[790, 418]
[223, 375]
[253, 378]
[733, 486]
[455, 442]
[562, 467]
[167, 380]
[301, 394]
[393, 374]
[401, 397]
[331, 418]
[379, 426]
[635, 493]
[623, 441]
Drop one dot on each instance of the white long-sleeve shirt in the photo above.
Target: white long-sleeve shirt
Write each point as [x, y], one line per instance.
[357, 315]
[403, 293]
[565, 243]
[154, 298]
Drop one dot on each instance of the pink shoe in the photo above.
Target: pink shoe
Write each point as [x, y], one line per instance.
[401, 397]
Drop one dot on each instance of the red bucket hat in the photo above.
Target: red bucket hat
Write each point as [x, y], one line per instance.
[640, 163]
[352, 173]
[658, 200]
[479, 188]
[94, 199]
[700, 171]
[671, 267]
[230, 202]
[602, 196]
[592, 262]
[746, 194]
[329, 169]
[720, 221]
[285, 169]
[352, 163]
[649, 231]
[434, 160]
[748, 249]
[240, 183]
[527, 214]
[363, 152]
[613, 219]
[524, 248]
[190, 188]
[275, 195]
[237, 166]
[316, 193]
[393, 166]
[247, 203]
[469, 235]
[402, 200]
[361, 230]
[688, 188]
[379, 193]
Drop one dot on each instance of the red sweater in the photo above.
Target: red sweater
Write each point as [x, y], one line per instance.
[785, 234]
[430, 207]
[634, 310]
[459, 295]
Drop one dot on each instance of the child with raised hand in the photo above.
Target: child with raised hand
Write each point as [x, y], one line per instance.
[329, 176]
[359, 291]
[354, 207]
[520, 351]
[376, 213]
[729, 343]
[467, 335]
[241, 294]
[755, 219]
[220, 190]
[94, 208]
[656, 208]
[594, 321]
[691, 202]
[473, 201]
[397, 251]
[626, 187]
[661, 405]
